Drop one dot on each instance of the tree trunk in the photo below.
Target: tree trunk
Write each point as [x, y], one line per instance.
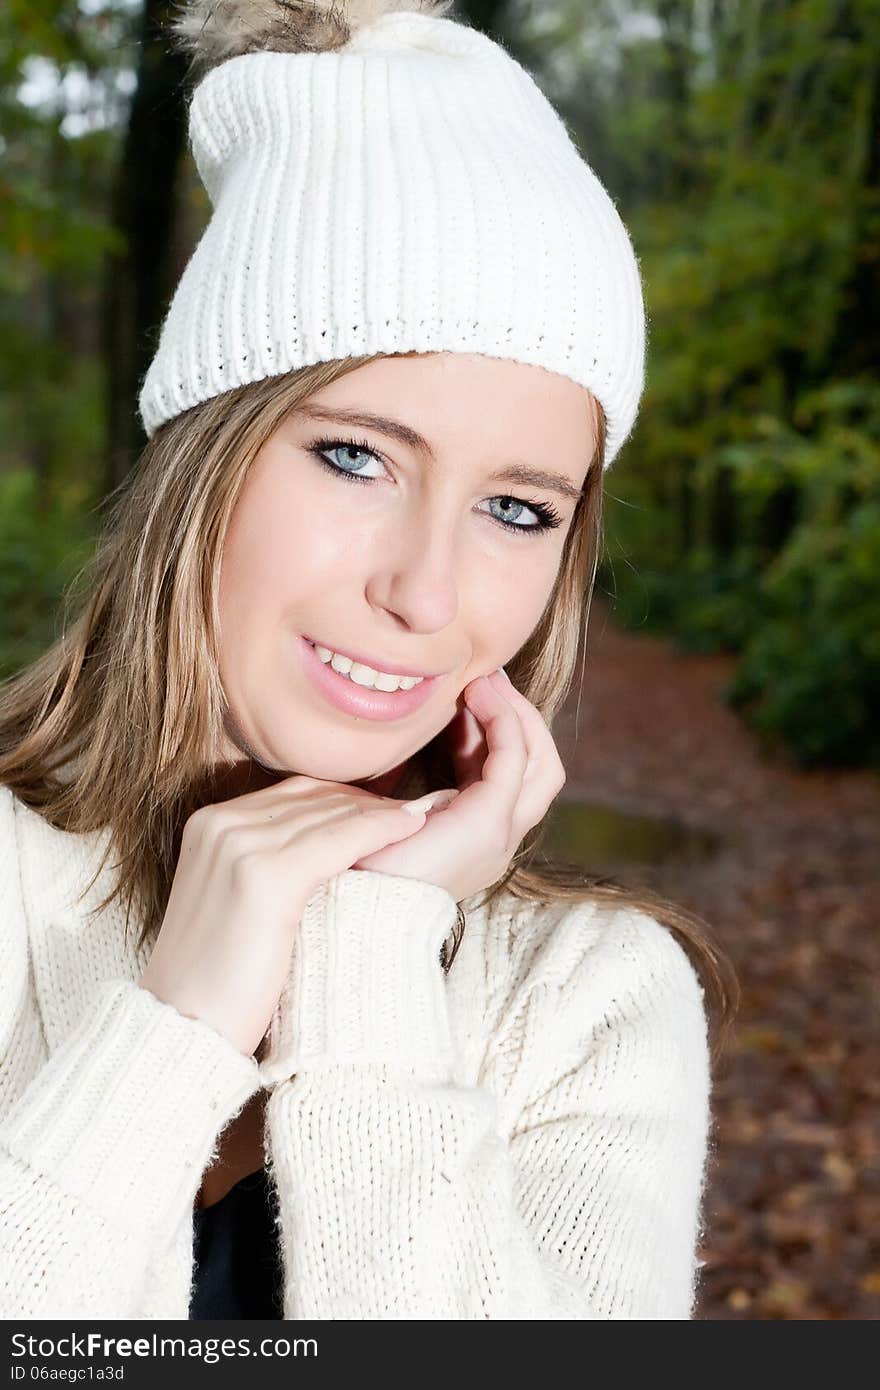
[137, 279]
[485, 14]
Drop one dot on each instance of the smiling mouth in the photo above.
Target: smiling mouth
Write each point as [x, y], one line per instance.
[361, 673]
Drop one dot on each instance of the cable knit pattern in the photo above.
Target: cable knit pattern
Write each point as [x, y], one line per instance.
[524, 1138]
[414, 190]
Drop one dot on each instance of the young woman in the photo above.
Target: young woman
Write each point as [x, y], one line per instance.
[359, 1058]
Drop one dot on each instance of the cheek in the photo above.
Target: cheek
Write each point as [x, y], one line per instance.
[253, 573]
[280, 550]
[508, 601]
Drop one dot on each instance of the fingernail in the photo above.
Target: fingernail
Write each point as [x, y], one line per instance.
[432, 801]
[502, 672]
[480, 683]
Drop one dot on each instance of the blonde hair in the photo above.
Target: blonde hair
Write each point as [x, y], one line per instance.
[131, 691]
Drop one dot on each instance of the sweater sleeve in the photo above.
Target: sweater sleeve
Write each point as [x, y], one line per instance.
[103, 1143]
[565, 1185]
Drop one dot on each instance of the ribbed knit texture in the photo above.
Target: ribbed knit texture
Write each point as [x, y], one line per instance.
[364, 984]
[524, 1138]
[412, 191]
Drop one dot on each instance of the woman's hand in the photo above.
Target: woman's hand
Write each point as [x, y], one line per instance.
[246, 869]
[508, 770]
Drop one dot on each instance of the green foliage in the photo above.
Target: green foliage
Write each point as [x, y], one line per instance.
[58, 161]
[811, 670]
[804, 613]
[41, 550]
[743, 513]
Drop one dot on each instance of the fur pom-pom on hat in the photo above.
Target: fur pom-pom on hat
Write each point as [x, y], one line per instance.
[213, 30]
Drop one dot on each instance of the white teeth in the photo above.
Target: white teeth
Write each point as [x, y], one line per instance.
[365, 675]
[361, 675]
[383, 682]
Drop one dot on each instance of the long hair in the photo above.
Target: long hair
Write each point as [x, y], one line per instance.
[130, 693]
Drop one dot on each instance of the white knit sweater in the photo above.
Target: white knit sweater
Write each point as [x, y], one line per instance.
[523, 1138]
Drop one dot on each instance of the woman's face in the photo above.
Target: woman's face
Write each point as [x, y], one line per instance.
[413, 569]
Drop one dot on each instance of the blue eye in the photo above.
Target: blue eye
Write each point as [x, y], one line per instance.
[534, 507]
[332, 446]
[548, 517]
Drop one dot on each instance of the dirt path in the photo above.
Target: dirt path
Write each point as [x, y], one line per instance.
[793, 1202]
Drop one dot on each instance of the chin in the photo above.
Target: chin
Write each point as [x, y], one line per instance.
[330, 769]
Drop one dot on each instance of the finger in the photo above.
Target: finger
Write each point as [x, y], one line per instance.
[432, 801]
[283, 825]
[507, 759]
[361, 833]
[545, 774]
[297, 797]
[543, 753]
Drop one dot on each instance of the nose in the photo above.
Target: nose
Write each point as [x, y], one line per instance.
[414, 578]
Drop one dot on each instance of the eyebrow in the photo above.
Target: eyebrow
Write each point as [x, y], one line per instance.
[404, 434]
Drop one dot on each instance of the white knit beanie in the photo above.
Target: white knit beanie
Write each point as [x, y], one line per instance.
[409, 189]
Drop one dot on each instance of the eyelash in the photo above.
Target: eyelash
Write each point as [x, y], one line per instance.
[548, 517]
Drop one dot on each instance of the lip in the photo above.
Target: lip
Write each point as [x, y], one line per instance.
[389, 667]
[359, 700]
